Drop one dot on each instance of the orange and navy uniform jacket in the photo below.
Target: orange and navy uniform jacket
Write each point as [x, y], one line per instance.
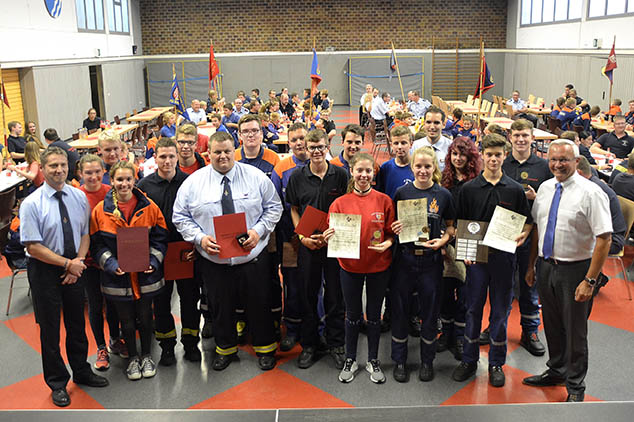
[281, 175]
[266, 160]
[451, 128]
[103, 247]
[615, 110]
[471, 134]
[555, 111]
[583, 120]
[567, 115]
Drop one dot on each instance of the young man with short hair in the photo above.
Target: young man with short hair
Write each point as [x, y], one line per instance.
[434, 124]
[252, 152]
[396, 172]
[230, 120]
[352, 140]
[16, 142]
[186, 139]
[477, 201]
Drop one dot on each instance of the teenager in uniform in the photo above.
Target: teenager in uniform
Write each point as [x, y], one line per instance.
[419, 265]
[477, 201]
[318, 184]
[372, 267]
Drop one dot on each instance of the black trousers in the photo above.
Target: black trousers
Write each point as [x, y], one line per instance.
[565, 321]
[96, 303]
[313, 266]
[249, 282]
[49, 298]
[164, 327]
[136, 314]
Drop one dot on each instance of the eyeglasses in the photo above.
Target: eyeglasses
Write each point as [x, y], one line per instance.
[187, 143]
[559, 160]
[250, 132]
[315, 148]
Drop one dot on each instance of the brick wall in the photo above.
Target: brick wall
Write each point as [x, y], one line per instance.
[185, 27]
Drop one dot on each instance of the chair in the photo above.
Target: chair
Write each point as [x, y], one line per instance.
[117, 120]
[554, 125]
[134, 111]
[494, 110]
[577, 128]
[127, 116]
[531, 99]
[539, 100]
[75, 136]
[470, 99]
[4, 238]
[146, 108]
[627, 207]
[380, 138]
[486, 106]
[7, 202]
[509, 110]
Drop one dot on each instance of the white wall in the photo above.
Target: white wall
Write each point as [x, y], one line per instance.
[28, 32]
[123, 87]
[576, 35]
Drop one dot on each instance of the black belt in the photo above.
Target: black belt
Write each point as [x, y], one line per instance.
[554, 261]
[419, 252]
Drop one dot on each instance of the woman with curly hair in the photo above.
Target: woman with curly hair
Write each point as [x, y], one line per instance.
[463, 164]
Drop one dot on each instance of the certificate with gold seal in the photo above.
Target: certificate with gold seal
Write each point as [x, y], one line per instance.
[346, 242]
[413, 214]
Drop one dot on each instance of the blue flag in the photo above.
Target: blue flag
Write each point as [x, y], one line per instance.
[176, 99]
[392, 64]
[488, 80]
[315, 74]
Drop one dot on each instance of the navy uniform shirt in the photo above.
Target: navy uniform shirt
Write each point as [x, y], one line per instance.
[304, 188]
[621, 147]
[478, 198]
[618, 221]
[440, 205]
[532, 172]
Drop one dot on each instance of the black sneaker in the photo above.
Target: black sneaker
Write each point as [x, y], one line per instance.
[287, 343]
[339, 356]
[531, 342]
[485, 337]
[306, 358]
[496, 376]
[167, 357]
[426, 372]
[400, 373]
[464, 371]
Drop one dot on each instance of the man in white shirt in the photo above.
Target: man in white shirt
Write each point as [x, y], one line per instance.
[520, 108]
[196, 113]
[238, 109]
[574, 227]
[379, 107]
[434, 123]
[417, 106]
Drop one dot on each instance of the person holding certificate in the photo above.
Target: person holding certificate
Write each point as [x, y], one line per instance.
[477, 201]
[376, 213]
[418, 263]
[464, 164]
[126, 206]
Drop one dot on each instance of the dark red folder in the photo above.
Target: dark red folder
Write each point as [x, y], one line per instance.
[312, 220]
[176, 266]
[133, 249]
[227, 227]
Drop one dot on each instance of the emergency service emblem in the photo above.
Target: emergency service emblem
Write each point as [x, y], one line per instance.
[54, 7]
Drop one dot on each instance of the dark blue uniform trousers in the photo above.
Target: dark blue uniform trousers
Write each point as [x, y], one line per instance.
[529, 298]
[495, 276]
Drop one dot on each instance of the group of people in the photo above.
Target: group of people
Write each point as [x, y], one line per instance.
[70, 235]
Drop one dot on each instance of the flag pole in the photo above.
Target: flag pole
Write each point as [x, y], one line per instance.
[482, 70]
[310, 117]
[611, 81]
[173, 76]
[4, 121]
[398, 72]
[211, 41]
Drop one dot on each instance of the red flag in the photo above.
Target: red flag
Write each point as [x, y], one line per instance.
[4, 95]
[609, 67]
[214, 70]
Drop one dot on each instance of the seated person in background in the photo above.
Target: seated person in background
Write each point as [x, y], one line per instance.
[269, 133]
[238, 109]
[272, 95]
[33, 171]
[618, 222]
[520, 108]
[274, 107]
[197, 114]
[169, 125]
[453, 125]
[585, 119]
[30, 134]
[556, 109]
[276, 121]
[286, 107]
[379, 108]
[213, 97]
[623, 182]
[203, 105]
[216, 121]
[306, 94]
[52, 140]
[567, 114]
[308, 121]
[417, 105]
[243, 97]
[571, 135]
[212, 107]
[402, 118]
[585, 142]
[324, 101]
[92, 122]
[615, 108]
[468, 129]
[617, 142]
[254, 107]
[494, 128]
[255, 95]
[328, 125]
[295, 100]
[580, 101]
[230, 121]
[15, 142]
[629, 116]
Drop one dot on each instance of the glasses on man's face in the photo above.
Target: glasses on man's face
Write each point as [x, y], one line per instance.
[249, 132]
[560, 160]
[317, 148]
[186, 143]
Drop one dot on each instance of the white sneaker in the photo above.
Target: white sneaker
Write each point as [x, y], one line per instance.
[148, 367]
[134, 369]
[349, 368]
[376, 374]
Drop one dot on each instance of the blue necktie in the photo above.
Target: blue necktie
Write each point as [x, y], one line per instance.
[67, 229]
[549, 237]
[227, 198]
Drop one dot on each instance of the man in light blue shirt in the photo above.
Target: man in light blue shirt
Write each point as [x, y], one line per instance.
[238, 109]
[54, 227]
[197, 114]
[520, 108]
[203, 196]
[418, 106]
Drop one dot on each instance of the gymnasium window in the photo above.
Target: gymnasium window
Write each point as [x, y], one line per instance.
[90, 15]
[609, 8]
[118, 16]
[536, 12]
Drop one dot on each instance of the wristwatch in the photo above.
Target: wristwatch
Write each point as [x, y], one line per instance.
[591, 281]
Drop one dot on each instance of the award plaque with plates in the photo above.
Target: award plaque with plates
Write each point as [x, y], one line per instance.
[469, 237]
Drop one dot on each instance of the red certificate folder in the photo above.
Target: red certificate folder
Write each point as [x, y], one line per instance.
[133, 249]
[312, 220]
[176, 266]
[227, 227]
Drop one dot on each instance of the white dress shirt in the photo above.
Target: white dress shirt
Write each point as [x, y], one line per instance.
[198, 202]
[583, 214]
[197, 117]
[441, 147]
[418, 108]
[379, 108]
